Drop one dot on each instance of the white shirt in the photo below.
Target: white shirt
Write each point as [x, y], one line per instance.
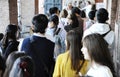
[99, 71]
[101, 28]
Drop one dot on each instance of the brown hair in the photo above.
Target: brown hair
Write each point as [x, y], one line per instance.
[74, 45]
[98, 50]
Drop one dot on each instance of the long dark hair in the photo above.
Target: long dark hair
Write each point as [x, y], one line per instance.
[75, 22]
[74, 46]
[11, 32]
[98, 50]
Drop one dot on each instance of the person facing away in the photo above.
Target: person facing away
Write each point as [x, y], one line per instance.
[23, 67]
[54, 10]
[91, 19]
[77, 12]
[63, 17]
[97, 52]
[102, 27]
[10, 61]
[71, 63]
[39, 47]
[72, 22]
[55, 34]
[9, 42]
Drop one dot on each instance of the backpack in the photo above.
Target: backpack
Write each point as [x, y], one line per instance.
[59, 44]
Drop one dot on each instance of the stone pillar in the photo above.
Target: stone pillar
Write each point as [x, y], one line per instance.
[118, 10]
[116, 54]
[113, 13]
[13, 11]
[4, 15]
[36, 6]
[117, 40]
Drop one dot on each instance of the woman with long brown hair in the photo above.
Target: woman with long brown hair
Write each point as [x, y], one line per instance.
[95, 49]
[71, 63]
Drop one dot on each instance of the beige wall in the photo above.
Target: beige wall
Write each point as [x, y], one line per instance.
[27, 12]
[41, 6]
[4, 15]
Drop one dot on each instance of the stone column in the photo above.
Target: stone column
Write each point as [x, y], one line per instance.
[36, 6]
[113, 13]
[13, 11]
[4, 15]
[117, 40]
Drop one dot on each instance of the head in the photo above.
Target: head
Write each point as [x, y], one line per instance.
[54, 10]
[82, 14]
[95, 49]
[22, 67]
[91, 15]
[73, 20]
[54, 19]
[76, 11]
[63, 13]
[102, 15]
[40, 23]
[53, 22]
[70, 6]
[10, 60]
[10, 34]
[93, 7]
[11, 31]
[73, 46]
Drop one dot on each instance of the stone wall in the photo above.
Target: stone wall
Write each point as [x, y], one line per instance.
[117, 40]
[4, 15]
[27, 13]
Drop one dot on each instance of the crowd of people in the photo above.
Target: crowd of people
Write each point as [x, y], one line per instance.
[73, 42]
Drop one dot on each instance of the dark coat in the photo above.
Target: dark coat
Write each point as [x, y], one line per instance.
[41, 50]
[12, 46]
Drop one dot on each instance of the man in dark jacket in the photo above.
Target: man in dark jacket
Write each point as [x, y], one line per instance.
[39, 47]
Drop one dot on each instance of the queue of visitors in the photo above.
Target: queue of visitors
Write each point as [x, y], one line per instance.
[74, 42]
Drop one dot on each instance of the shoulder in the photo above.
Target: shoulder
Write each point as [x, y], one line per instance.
[104, 71]
[101, 71]
[63, 56]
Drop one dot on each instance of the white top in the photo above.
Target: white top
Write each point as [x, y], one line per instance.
[101, 28]
[89, 23]
[87, 9]
[99, 71]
